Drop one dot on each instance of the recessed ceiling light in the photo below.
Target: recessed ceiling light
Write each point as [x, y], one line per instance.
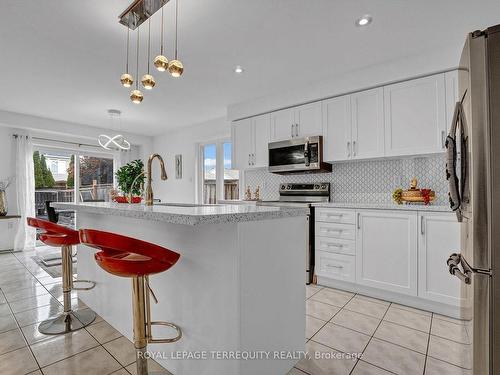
[364, 21]
[239, 69]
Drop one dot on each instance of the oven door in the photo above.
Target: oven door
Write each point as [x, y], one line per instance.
[295, 155]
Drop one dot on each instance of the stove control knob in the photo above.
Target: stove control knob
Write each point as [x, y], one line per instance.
[282, 187]
[316, 187]
[288, 187]
[323, 186]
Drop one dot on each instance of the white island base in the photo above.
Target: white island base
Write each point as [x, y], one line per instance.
[238, 287]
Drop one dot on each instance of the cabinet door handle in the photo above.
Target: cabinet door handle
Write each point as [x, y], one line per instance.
[291, 129]
[358, 221]
[296, 130]
[334, 245]
[348, 149]
[422, 231]
[249, 159]
[353, 148]
[443, 139]
[253, 159]
[334, 266]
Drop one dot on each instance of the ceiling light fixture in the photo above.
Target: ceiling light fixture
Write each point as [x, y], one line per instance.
[148, 80]
[126, 79]
[364, 21]
[239, 69]
[136, 95]
[161, 62]
[133, 17]
[117, 142]
[175, 67]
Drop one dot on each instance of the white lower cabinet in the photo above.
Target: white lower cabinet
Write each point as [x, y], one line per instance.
[336, 266]
[399, 254]
[386, 250]
[439, 236]
[335, 230]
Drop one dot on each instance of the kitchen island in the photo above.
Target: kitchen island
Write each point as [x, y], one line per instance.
[237, 290]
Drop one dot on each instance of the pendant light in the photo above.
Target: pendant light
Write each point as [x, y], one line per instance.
[160, 61]
[117, 142]
[148, 81]
[175, 67]
[126, 79]
[136, 96]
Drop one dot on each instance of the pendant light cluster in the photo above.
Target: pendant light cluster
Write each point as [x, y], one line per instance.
[161, 62]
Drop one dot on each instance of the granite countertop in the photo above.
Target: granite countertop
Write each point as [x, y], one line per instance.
[185, 214]
[386, 206]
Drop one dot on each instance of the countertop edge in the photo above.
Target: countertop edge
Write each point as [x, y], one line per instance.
[185, 218]
[386, 207]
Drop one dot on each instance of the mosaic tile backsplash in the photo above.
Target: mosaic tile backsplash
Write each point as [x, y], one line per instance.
[370, 181]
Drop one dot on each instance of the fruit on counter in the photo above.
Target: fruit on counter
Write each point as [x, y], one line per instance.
[397, 196]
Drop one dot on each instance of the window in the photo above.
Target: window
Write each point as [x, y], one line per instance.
[231, 176]
[218, 179]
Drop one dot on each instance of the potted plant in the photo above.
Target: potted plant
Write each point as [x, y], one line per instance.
[130, 179]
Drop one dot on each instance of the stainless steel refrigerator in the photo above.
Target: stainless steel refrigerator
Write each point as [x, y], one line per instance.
[473, 169]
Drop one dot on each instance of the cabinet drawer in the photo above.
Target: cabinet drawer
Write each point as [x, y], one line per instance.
[335, 245]
[342, 231]
[336, 266]
[335, 216]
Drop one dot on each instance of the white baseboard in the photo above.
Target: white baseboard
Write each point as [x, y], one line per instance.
[412, 301]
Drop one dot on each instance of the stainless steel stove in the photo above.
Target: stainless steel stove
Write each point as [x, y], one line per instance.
[303, 195]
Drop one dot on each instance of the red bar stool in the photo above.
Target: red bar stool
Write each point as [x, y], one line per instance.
[129, 257]
[70, 320]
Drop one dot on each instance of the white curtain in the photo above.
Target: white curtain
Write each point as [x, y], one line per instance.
[25, 186]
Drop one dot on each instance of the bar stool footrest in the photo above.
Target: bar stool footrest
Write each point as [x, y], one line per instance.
[92, 285]
[151, 340]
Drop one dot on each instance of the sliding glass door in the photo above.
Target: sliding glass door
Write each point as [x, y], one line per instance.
[70, 176]
[96, 178]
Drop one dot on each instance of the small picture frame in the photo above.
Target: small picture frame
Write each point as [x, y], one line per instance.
[178, 166]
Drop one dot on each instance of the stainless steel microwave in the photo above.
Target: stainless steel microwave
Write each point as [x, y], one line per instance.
[299, 155]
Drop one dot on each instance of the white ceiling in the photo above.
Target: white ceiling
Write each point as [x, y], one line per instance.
[62, 59]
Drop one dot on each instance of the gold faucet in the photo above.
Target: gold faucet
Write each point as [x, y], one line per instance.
[149, 189]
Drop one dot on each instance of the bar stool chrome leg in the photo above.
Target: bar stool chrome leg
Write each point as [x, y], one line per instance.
[141, 309]
[70, 320]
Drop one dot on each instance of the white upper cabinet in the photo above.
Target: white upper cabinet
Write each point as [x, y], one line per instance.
[337, 128]
[283, 124]
[250, 138]
[386, 251]
[415, 116]
[261, 136]
[439, 236]
[407, 118]
[241, 143]
[308, 120]
[301, 121]
[367, 108]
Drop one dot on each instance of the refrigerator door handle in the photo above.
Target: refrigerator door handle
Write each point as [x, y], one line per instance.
[455, 260]
[451, 162]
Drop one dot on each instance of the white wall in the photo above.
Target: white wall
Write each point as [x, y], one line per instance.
[184, 141]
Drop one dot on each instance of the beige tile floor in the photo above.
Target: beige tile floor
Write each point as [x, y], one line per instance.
[28, 295]
[393, 339]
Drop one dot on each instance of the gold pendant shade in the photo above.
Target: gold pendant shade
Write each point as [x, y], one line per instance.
[145, 9]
